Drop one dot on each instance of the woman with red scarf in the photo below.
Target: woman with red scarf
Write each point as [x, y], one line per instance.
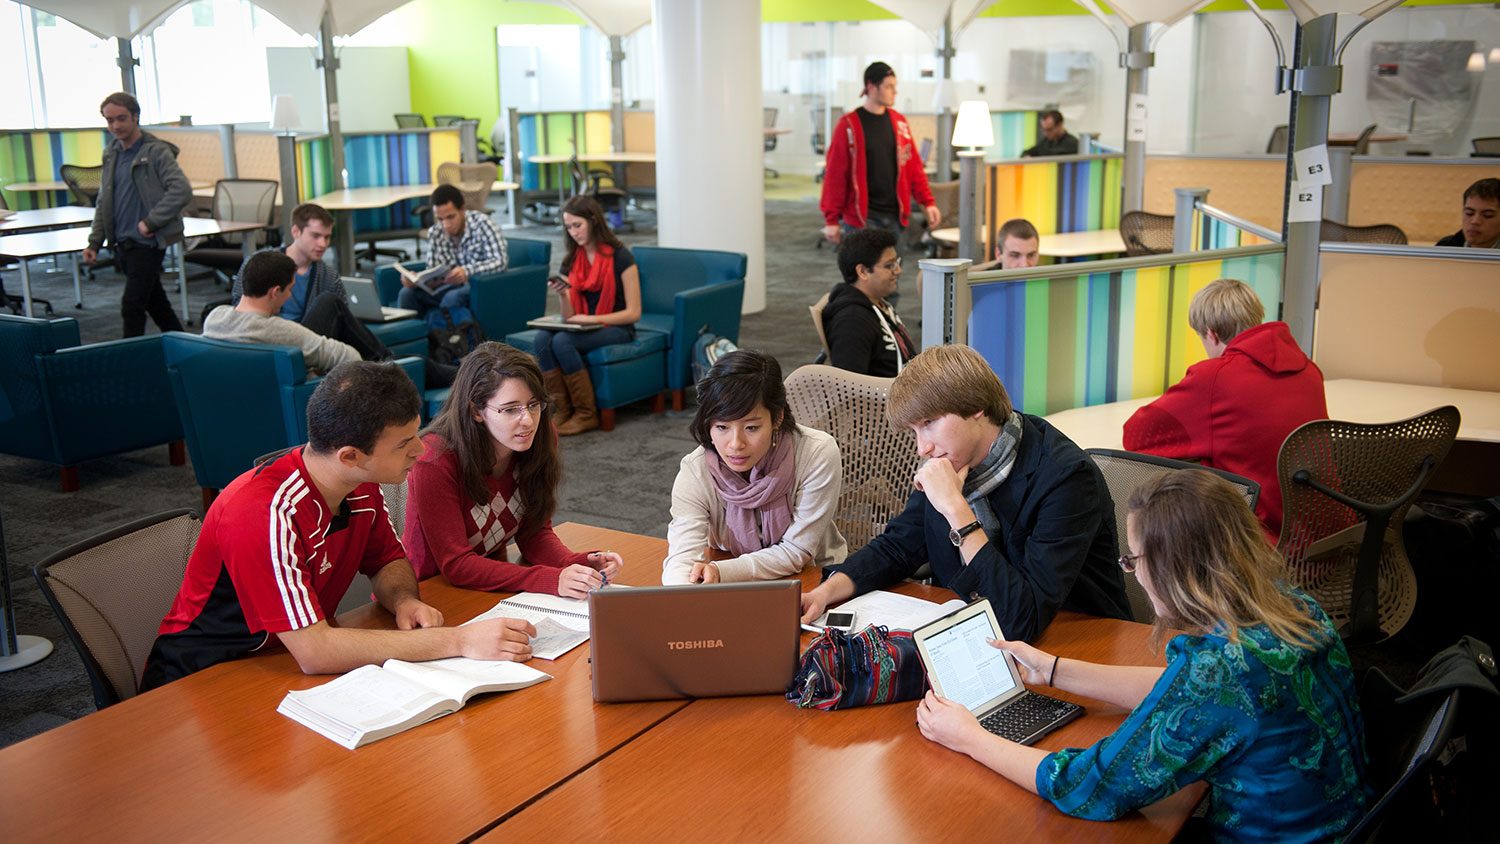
[603, 288]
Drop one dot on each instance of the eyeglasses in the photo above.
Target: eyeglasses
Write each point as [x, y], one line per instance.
[513, 412]
[1127, 562]
[892, 265]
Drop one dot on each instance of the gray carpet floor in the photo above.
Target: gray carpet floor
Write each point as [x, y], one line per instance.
[620, 480]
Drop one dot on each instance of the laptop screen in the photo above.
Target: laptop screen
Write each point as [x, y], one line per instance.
[964, 665]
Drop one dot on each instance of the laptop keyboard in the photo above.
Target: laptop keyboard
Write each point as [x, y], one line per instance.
[1029, 717]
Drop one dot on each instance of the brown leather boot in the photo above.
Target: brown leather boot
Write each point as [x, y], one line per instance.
[557, 395]
[585, 413]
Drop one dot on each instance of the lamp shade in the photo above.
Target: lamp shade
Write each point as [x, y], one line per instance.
[1476, 62]
[945, 95]
[284, 116]
[972, 128]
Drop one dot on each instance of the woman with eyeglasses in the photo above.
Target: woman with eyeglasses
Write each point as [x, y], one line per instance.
[489, 476]
[755, 500]
[863, 331]
[1257, 698]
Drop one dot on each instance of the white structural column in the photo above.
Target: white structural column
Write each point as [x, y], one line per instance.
[710, 192]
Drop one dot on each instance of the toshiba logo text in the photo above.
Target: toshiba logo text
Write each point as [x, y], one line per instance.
[694, 644]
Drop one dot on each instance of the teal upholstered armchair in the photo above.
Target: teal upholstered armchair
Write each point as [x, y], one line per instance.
[684, 291]
[64, 403]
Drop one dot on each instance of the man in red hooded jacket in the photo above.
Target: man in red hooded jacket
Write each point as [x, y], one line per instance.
[873, 167]
[1234, 410]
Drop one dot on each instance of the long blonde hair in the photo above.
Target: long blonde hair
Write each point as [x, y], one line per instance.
[1208, 563]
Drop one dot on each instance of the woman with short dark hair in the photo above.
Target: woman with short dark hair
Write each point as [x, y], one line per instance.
[760, 488]
[1257, 698]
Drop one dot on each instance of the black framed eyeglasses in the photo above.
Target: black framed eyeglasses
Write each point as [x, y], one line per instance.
[1127, 562]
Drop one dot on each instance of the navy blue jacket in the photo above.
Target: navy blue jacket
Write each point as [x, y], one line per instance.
[1056, 548]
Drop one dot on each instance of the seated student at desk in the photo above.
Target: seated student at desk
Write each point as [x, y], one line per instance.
[465, 240]
[1017, 246]
[1234, 410]
[759, 486]
[266, 284]
[490, 475]
[1055, 138]
[1257, 698]
[1005, 508]
[281, 544]
[1481, 217]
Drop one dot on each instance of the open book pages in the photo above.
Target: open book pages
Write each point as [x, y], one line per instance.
[562, 624]
[429, 279]
[375, 701]
[891, 610]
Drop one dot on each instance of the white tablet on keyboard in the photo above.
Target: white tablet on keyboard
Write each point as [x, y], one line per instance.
[963, 667]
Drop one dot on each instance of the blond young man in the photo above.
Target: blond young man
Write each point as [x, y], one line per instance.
[1234, 410]
[1006, 507]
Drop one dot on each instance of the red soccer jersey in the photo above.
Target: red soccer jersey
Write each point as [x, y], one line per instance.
[270, 558]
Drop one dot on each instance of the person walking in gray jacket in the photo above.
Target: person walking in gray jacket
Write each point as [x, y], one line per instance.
[142, 192]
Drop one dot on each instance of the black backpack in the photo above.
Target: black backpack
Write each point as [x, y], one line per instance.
[452, 333]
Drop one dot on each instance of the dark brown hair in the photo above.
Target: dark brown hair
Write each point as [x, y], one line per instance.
[1208, 562]
[309, 211]
[1487, 189]
[738, 382]
[1019, 228]
[267, 271]
[123, 100]
[356, 402]
[589, 209]
[538, 469]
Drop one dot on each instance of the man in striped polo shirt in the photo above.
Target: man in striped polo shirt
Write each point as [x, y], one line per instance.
[281, 545]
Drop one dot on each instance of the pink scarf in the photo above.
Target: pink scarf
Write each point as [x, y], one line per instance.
[767, 492]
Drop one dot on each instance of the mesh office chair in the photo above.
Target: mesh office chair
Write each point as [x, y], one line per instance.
[1124, 471]
[1486, 146]
[1402, 751]
[769, 118]
[475, 181]
[410, 121]
[447, 119]
[1362, 143]
[1146, 234]
[816, 309]
[83, 183]
[1277, 143]
[879, 459]
[239, 201]
[1331, 232]
[590, 183]
[1345, 490]
[17, 304]
[111, 592]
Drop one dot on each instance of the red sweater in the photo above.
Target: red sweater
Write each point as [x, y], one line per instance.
[1233, 412]
[846, 191]
[446, 533]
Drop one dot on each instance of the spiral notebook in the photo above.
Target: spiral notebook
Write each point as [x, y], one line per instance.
[562, 624]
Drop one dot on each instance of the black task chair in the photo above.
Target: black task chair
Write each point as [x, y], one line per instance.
[83, 183]
[591, 183]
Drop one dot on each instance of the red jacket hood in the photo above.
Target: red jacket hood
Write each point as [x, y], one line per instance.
[1271, 345]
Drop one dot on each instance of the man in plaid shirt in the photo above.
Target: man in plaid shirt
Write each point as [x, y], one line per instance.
[468, 240]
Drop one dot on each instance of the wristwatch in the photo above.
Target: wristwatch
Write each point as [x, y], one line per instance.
[957, 536]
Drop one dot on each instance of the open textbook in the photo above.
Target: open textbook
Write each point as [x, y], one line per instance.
[893, 611]
[429, 279]
[375, 701]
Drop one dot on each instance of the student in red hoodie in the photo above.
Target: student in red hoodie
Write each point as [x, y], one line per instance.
[1234, 410]
[489, 476]
[873, 167]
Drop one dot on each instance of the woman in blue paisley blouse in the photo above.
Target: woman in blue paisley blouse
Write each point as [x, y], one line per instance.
[1257, 698]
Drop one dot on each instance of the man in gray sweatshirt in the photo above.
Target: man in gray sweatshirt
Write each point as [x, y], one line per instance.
[266, 281]
[142, 192]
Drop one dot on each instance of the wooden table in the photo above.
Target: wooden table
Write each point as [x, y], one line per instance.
[209, 757]
[1349, 139]
[46, 188]
[347, 200]
[210, 752]
[40, 244]
[62, 216]
[1063, 245]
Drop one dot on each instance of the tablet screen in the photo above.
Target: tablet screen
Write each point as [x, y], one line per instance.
[966, 668]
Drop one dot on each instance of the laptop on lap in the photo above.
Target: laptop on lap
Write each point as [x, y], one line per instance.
[713, 640]
[963, 667]
[364, 302]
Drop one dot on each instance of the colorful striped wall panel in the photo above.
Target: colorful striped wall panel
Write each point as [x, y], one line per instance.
[1213, 233]
[558, 133]
[1055, 196]
[36, 156]
[1080, 338]
[1015, 131]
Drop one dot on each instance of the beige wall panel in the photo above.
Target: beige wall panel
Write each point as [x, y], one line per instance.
[1252, 188]
[1424, 199]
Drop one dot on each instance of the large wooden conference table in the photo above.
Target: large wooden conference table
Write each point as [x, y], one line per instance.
[209, 757]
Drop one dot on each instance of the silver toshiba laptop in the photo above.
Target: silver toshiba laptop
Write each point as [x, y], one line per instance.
[364, 302]
[694, 641]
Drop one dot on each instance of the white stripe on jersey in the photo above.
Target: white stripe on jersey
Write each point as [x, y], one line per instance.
[284, 563]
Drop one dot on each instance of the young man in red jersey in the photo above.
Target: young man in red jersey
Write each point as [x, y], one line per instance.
[281, 545]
